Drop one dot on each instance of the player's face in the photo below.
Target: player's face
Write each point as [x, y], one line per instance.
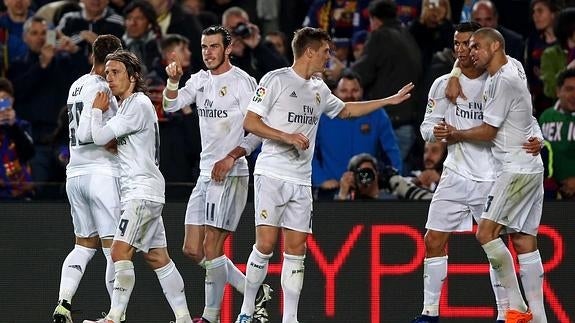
[461, 48]
[432, 154]
[481, 52]
[213, 52]
[118, 79]
[348, 90]
[320, 57]
[566, 95]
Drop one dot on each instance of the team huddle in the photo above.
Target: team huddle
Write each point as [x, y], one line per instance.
[114, 147]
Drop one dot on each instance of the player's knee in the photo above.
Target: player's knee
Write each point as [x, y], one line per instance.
[196, 254]
[434, 246]
[265, 247]
[484, 236]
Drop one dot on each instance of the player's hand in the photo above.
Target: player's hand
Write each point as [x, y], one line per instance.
[174, 69]
[221, 168]
[112, 146]
[453, 90]
[299, 140]
[101, 101]
[330, 184]
[533, 146]
[444, 132]
[401, 95]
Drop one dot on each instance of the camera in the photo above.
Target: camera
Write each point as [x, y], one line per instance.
[364, 176]
[242, 30]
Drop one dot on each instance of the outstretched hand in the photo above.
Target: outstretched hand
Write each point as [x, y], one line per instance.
[402, 95]
[174, 69]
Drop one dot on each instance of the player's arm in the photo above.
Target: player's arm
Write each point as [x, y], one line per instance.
[483, 132]
[101, 134]
[360, 108]
[224, 165]
[435, 110]
[173, 98]
[534, 144]
[453, 88]
[253, 123]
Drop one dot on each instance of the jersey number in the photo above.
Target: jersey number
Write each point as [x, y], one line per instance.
[488, 204]
[74, 112]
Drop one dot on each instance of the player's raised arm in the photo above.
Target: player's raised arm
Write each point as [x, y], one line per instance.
[175, 72]
[360, 108]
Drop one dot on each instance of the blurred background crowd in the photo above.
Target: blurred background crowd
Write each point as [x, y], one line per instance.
[378, 46]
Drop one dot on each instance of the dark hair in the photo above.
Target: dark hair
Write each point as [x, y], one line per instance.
[104, 45]
[359, 159]
[467, 27]
[568, 73]
[492, 34]
[148, 11]
[564, 26]
[553, 5]
[171, 40]
[133, 67]
[308, 37]
[218, 29]
[383, 9]
[351, 75]
[32, 20]
[6, 86]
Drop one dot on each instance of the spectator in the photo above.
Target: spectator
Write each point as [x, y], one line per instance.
[16, 149]
[172, 19]
[384, 69]
[12, 21]
[433, 30]
[41, 80]
[248, 51]
[95, 18]
[361, 180]
[408, 10]
[358, 43]
[142, 34]
[485, 14]
[543, 14]
[339, 140]
[339, 18]
[557, 57]
[278, 40]
[197, 8]
[557, 125]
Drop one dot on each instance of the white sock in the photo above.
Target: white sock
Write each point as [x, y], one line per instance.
[292, 283]
[257, 269]
[235, 277]
[500, 295]
[502, 262]
[110, 272]
[173, 287]
[123, 286]
[434, 273]
[216, 278]
[531, 272]
[73, 269]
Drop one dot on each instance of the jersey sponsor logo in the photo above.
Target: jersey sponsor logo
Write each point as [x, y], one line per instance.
[306, 118]
[317, 98]
[209, 112]
[223, 90]
[260, 94]
[293, 95]
[474, 111]
[554, 131]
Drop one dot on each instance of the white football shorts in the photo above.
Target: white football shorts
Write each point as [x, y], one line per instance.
[141, 225]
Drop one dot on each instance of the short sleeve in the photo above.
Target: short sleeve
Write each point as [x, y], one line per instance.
[497, 104]
[265, 95]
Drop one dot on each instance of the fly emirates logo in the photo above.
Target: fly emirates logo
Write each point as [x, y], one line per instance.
[306, 117]
[207, 110]
[474, 111]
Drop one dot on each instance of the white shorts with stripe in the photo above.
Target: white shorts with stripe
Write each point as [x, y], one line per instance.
[219, 205]
[516, 202]
[141, 225]
[94, 204]
[282, 204]
[457, 201]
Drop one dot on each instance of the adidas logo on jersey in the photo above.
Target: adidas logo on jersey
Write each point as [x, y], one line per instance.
[293, 95]
[201, 89]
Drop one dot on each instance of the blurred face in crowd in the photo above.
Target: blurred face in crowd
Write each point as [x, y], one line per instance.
[213, 52]
[230, 23]
[6, 114]
[348, 90]
[137, 25]
[432, 154]
[358, 50]
[543, 18]
[566, 95]
[461, 48]
[277, 42]
[484, 15]
[183, 52]
[35, 37]
[95, 7]
[434, 13]
[481, 51]
[17, 8]
[118, 79]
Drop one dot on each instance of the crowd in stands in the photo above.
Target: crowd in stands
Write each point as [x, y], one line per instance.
[378, 46]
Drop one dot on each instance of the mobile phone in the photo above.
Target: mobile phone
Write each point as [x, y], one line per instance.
[51, 37]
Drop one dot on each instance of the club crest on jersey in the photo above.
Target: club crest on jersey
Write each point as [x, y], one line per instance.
[317, 98]
[260, 93]
[223, 90]
[430, 106]
[264, 214]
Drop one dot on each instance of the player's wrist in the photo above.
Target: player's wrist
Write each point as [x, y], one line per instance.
[232, 157]
[455, 72]
[172, 85]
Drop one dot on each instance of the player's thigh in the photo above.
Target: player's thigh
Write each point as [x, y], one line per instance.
[196, 209]
[270, 197]
[84, 225]
[105, 207]
[141, 225]
[515, 201]
[226, 202]
[299, 210]
[449, 210]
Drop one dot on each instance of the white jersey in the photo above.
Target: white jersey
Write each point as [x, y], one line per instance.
[85, 156]
[507, 105]
[135, 127]
[291, 104]
[470, 159]
[222, 101]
